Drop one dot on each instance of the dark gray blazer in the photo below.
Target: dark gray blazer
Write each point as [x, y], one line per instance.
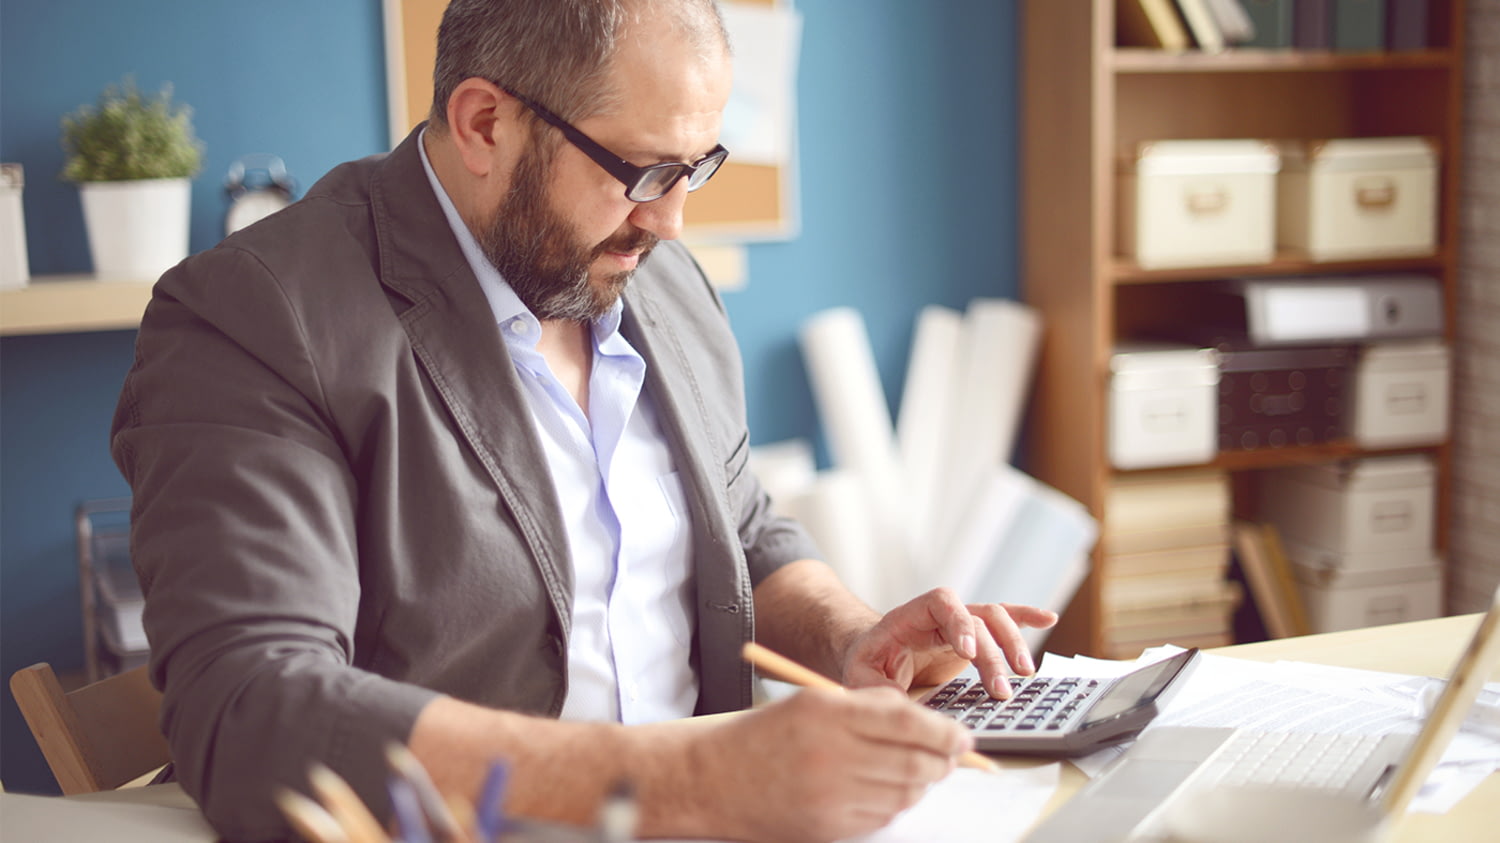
[341, 510]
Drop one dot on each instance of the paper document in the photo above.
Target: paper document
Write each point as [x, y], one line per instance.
[1301, 697]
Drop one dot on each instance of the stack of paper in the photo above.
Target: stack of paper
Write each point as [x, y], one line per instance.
[1165, 562]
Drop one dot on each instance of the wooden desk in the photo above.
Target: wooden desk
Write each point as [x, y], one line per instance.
[1425, 648]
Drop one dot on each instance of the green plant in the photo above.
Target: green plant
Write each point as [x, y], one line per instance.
[128, 135]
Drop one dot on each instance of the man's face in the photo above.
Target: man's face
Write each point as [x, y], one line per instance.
[545, 260]
[564, 235]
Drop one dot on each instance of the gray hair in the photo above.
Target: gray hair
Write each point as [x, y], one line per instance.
[556, 52]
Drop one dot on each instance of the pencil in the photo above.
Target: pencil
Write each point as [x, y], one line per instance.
[344, 804]
[310, 819]
[789, 670]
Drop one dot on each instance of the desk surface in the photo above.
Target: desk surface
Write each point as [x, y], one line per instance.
[1425, 648]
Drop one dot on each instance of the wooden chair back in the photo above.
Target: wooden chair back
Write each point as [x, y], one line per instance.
[97, 737]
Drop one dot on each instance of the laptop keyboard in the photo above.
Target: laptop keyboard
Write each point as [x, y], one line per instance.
[1037, 704]
[1305, 759]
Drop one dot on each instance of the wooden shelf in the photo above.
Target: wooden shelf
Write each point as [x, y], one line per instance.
[62, 304]
[1143, 60]
[1127, 271]
[1085, 100]
[1323, 452]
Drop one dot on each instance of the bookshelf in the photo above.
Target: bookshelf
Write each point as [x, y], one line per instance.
[1084, 99]
[61, 304]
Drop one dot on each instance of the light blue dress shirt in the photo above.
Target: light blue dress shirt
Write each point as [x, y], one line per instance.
[630, 640]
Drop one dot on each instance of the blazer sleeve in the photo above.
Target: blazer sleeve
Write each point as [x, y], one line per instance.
[243, 536]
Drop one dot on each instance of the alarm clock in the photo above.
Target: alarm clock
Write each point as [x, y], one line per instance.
[258, 186]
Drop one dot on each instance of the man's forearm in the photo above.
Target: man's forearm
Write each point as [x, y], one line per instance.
[561, 771]
[804, 612]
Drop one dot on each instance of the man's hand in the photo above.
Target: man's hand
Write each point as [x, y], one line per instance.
[929, 640]
[826, 765]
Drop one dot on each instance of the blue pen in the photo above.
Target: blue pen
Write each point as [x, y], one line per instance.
[408, 810]
[490, 814]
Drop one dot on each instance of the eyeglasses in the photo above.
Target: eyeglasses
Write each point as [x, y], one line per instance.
[642, 184]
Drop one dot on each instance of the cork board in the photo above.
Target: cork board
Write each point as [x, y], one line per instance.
[745, 201]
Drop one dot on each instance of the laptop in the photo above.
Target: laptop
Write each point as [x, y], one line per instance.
[1168, 767]
[1061, 716]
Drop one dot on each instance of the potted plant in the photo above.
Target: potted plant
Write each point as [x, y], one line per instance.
[132, 156]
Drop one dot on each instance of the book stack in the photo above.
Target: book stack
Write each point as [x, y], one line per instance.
[1165, 545]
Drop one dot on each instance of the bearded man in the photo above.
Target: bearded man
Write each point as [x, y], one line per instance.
[452, 452]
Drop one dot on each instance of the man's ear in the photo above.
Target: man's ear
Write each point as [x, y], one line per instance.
[482, 119]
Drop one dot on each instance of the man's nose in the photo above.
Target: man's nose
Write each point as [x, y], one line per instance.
[663, 216]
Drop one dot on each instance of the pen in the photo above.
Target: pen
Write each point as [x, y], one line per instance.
[490, 814]
[407, 809]
[429, 801]
[789, 670]
[359, 825]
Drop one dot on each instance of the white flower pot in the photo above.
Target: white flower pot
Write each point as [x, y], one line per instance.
[137, 229]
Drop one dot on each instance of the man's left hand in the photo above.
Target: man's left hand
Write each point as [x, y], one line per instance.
[929, 640]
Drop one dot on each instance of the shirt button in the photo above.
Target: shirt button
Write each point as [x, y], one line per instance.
[518, 326]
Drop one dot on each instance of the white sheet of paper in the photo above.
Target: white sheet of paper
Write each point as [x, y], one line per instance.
[973, 805]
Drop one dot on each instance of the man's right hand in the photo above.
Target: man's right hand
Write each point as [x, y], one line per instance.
[825, 765]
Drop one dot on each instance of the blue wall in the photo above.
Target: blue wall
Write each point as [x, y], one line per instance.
[907, 120]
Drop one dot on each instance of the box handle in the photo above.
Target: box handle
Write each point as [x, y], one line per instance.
[1375, 194]
[1202, 202]
[1405, 399]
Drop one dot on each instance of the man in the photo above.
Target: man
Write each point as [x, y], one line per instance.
[425, 458]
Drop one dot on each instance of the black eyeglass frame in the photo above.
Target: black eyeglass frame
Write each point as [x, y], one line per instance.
[634, 178]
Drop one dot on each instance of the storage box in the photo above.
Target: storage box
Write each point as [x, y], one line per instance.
[1377, 504]
[1161, 405]
[1334, 563]
[1198, 203]
[1358, 198]
[15, 267]
[1338, 600]
[1276, 397]
[1400, 395]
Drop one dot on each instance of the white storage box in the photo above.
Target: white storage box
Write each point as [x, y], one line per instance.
[1358, 198]
[1198, 203]
[1357, 506]
[1337, 563]
[15, 268]
[1163, 405]
[1338, 600]
[1401, 395]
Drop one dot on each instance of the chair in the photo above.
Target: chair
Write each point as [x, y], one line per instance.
[97, 737]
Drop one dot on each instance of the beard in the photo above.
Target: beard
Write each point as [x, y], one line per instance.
[541, 258]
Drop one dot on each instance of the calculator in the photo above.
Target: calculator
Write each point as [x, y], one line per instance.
[1060, 715]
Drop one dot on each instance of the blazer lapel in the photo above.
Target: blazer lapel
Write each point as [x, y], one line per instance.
[454, 337]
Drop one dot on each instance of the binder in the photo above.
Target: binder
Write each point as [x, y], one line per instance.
[1312, 24]
[1233, 21]
[1406, 24]
[1149, 23]
[1201, 23]
[1359, 25]
[1272, 20]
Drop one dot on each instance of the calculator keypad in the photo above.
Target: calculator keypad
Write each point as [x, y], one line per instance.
[1036, 705]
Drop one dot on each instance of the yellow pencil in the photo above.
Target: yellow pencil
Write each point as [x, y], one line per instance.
[310, 819]
[344, 804]
[789, 670]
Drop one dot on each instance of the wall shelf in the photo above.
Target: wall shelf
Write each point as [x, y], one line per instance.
[62, 304]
